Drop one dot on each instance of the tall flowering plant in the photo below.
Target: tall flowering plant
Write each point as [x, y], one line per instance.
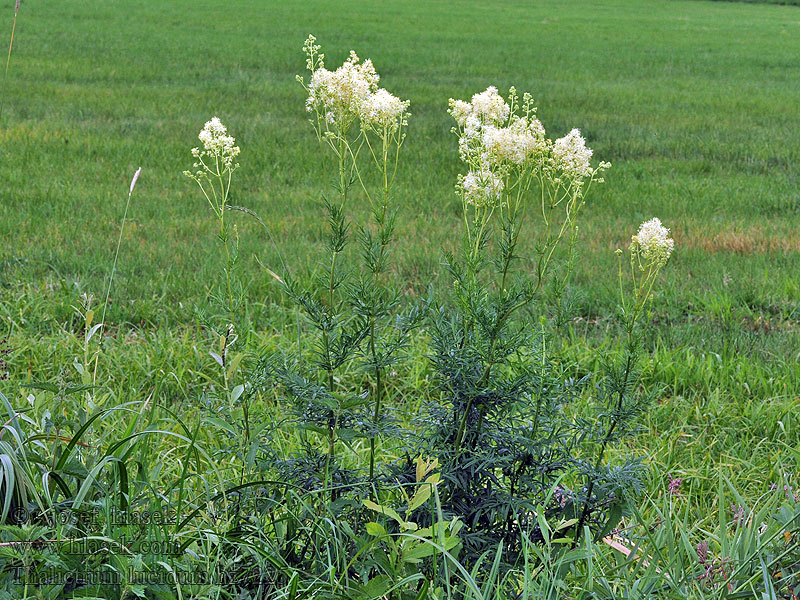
[649, 250]
[511, 166]
[620, 403]
[500, 432]
[355, 314]
[215, 162]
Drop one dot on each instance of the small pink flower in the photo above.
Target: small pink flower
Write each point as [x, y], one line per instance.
[702, 552]
[562, 495]
[739, 514]
[790, 495]
[674, 485]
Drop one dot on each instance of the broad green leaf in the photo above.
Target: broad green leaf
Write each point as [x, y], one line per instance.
[421, 549]
[422, 495]
[391, 513]
[377, 587]
[375, 529]
[236, 392]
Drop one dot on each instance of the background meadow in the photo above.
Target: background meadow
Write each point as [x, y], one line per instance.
[695, 104]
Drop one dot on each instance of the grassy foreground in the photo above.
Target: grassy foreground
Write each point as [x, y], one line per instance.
[694, 103]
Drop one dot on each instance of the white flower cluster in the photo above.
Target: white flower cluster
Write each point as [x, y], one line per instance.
[487, 106]
[653, 242]
[385, 110]
[571, 156]
[516, 143]
[490, 106]
[493, 136]
[351, 93]
[219, 149]
[495, 141]
[481, 188]
[342, 93]
[460, 110]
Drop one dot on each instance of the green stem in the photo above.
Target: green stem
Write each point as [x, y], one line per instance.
[8, 61]
[541, 386]
[332, 308]
[603, 446]
[377, 271]
[114, 265]
[462, 426]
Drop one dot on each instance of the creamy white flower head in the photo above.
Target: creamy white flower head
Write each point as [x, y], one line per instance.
[490, 106]
[469, 139]
[383, 109]
[217, 144]
[343, 92]
[481, 188]
[321, 80]
[460, 110]
[536, 129]
[516, 143]
[653, 242]
[472, 127]
[571, 156]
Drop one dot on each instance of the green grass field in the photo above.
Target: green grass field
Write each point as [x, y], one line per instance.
[696, 105]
